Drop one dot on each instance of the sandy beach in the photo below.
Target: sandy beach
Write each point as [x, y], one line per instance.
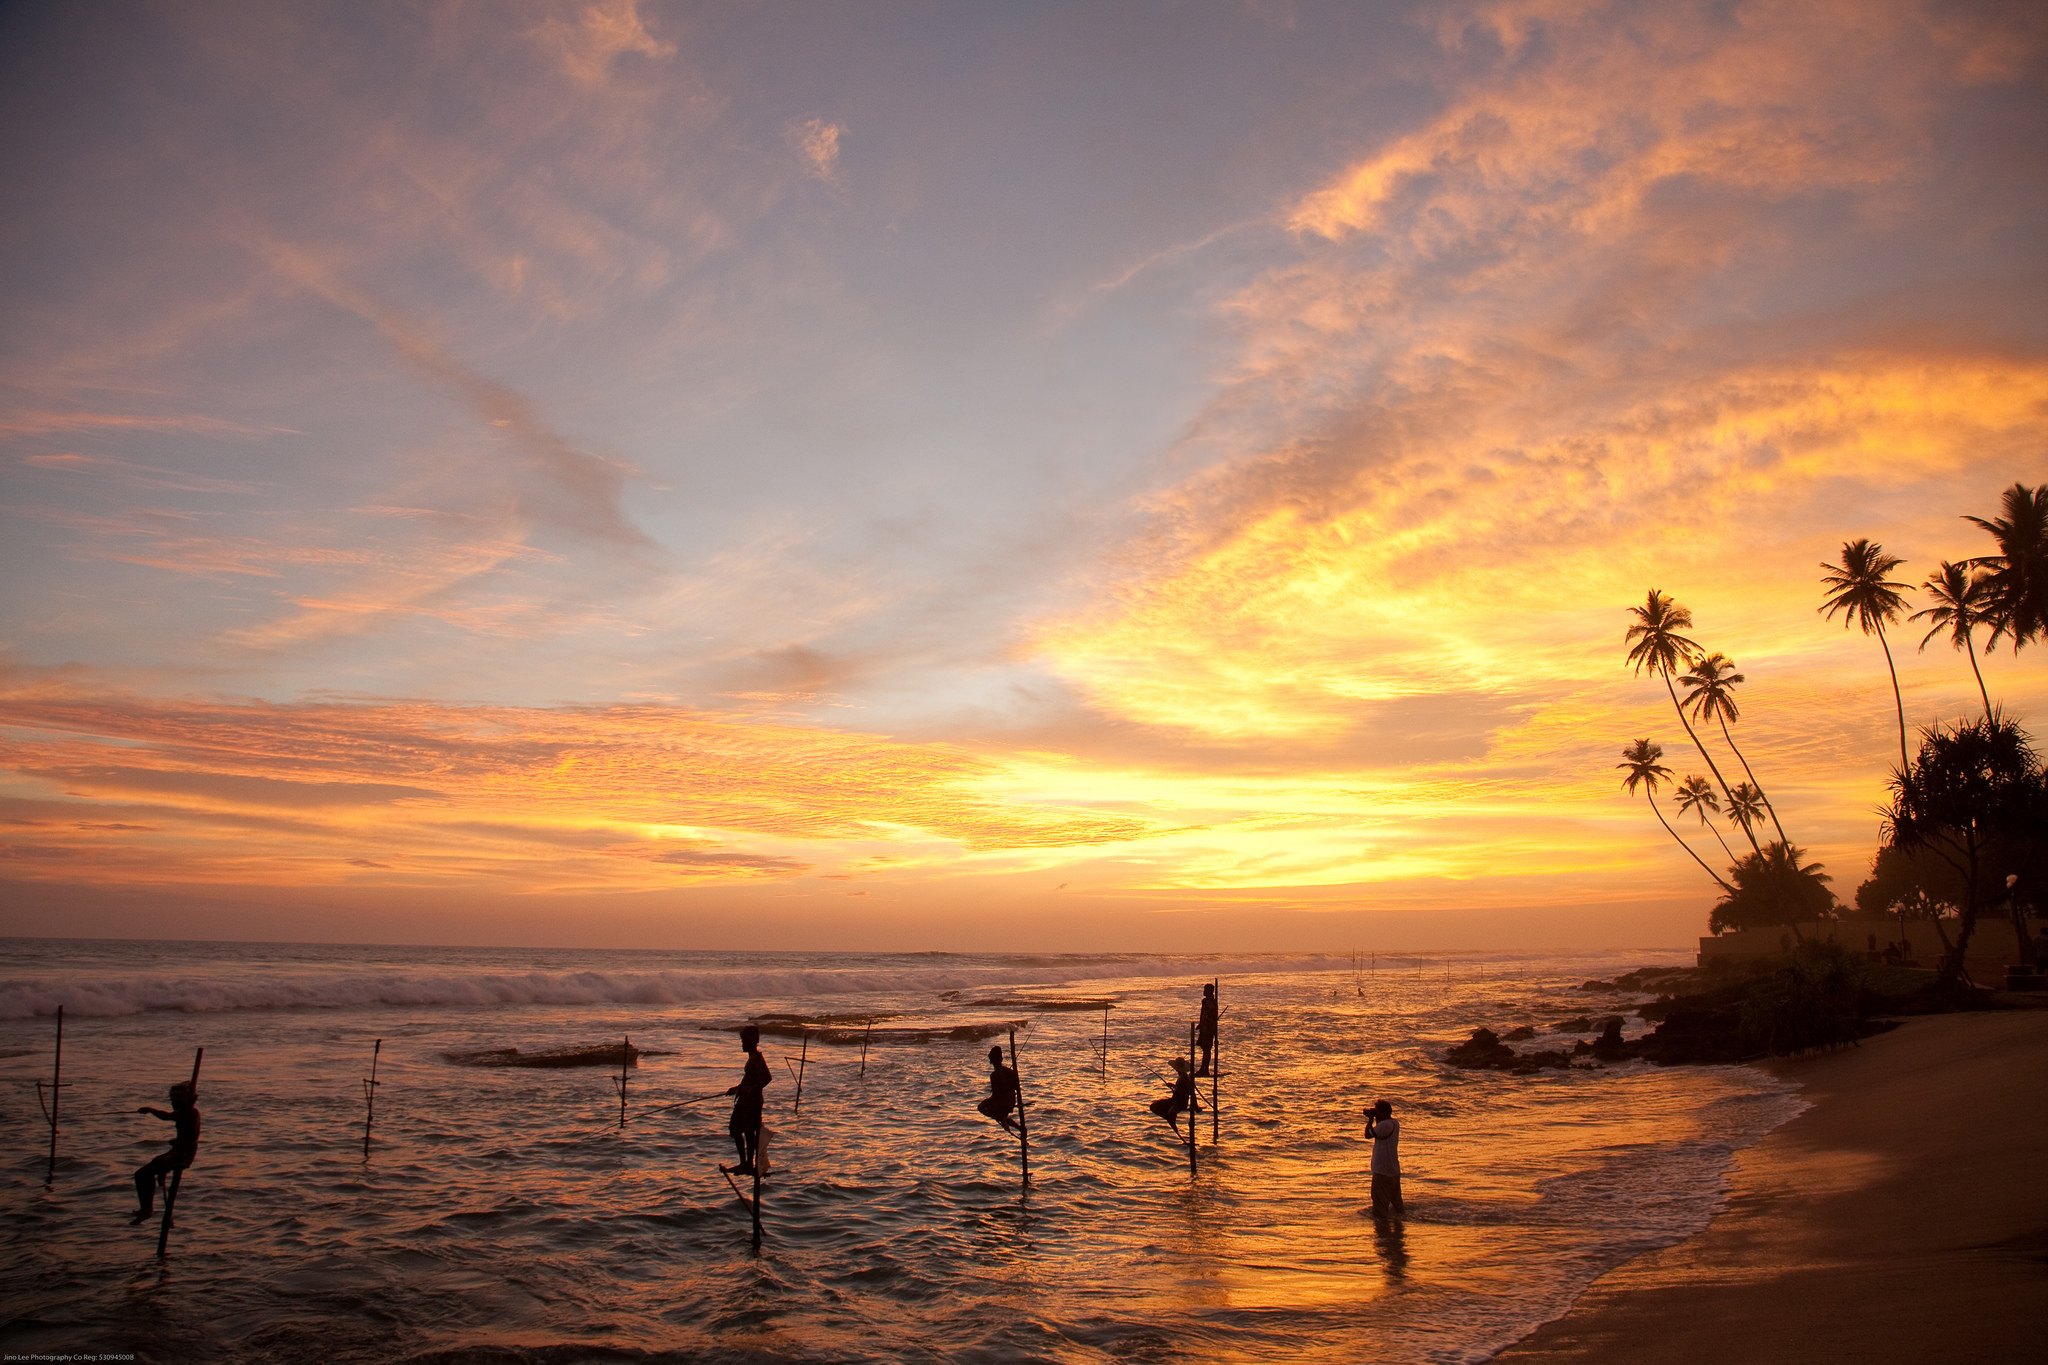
[1904, 1217]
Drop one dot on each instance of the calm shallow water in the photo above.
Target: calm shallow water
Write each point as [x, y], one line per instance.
[503, 1215]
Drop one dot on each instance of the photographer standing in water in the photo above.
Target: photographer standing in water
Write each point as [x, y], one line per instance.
[1385, 1131]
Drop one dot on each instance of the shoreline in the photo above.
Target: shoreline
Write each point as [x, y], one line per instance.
[1903, 1216]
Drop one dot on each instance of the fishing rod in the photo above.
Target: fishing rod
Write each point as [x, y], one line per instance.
[694, 1099]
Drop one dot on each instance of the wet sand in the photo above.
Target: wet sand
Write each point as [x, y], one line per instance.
[1902, 1218]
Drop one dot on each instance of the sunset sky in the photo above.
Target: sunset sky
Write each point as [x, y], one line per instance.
[1039, 476]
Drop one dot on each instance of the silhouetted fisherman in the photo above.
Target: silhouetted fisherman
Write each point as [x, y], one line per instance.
[184, 1147]
[1002, 1091]
[746, 1110]
[1385, 1131]
[1182, 1100]
[1205, 1028]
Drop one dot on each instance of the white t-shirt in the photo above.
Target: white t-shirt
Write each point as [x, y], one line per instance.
[1386, 1146]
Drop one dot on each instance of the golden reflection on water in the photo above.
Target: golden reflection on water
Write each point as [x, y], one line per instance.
[506, 1206]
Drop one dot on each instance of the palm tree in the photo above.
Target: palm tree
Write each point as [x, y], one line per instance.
[1962, 599]
[1746, 806]
[1775, 887]
[1696, 794]
[1710, 691]
[1661, 649]
[1640, 758]
[1859, 587]
[2018, 586]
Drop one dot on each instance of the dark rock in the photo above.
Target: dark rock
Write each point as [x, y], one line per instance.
[1521, 1035]
[1484, 1051]
[1599, 987]
[1579, 1025]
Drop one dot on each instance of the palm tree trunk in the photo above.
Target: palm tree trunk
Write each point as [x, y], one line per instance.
[1648, 796]
[1970, 648]
[1770, 809]
[1905, 765]
[1717, 834]
[1711, 767]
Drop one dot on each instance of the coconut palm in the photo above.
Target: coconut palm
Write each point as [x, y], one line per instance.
[1661, 649]
[2018, 586]
[1710, 692]
[1696, 794]
[1774, 887]
[1640, 759]
[1858, 586]
[1746, 806]
[1962, 601]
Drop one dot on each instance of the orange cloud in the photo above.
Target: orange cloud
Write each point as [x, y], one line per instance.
[623, 797]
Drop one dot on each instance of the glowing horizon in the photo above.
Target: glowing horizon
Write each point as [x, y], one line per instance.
[1062, 463]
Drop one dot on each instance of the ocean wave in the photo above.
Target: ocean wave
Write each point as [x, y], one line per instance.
[287, 990]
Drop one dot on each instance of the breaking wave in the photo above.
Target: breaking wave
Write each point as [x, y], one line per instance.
[287, 989]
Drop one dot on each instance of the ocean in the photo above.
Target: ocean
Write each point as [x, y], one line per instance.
[502, 1214]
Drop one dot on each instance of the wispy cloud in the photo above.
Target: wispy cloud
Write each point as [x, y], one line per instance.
[590, 37]
[816, 144]
[1555, 345]
[622, 796]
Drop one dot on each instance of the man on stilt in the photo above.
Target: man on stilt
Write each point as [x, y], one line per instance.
[1205, 1029]
[184, 1112]
[1182, 1100]
[746, 1110]
[1002, 1091]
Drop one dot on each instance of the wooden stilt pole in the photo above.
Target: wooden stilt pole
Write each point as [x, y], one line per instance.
[163, 1230]
[370, 1084]
[803, 1057]
[864, 1046]
[757, 1196]
[56, 1088]
[1216, 1062]
[1023, 1129]
[1105, 1040]
[625, 1056]
[1191, 1095]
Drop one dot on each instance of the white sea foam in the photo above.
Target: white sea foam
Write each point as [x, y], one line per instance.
[246, 989]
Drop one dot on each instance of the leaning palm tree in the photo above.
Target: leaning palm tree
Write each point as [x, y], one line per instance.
[1640, 759]
[2018, 586]
[1696, 794]
[1661, 649]
[1710, 692]
[1859, 587]
[1746, 806]
[1962, 601]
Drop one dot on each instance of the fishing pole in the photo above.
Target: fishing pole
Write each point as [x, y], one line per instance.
[695, 1099]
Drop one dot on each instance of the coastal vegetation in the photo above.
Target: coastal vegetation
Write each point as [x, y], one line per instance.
[1962, 827]
[1964, 830]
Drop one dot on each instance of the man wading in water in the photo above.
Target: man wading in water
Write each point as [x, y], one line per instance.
[1002, 1091]
[746, 1110]
[184, 1147]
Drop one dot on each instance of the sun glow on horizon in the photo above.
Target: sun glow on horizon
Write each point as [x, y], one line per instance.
[646, 466]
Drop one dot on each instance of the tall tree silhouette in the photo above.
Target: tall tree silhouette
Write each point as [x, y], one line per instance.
[1962, 602]
[2018, 573]
[1746, 806]
[1660, 648]
[1710, 692]
[1640, 759]
[1859, 587]
[1696, 794]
